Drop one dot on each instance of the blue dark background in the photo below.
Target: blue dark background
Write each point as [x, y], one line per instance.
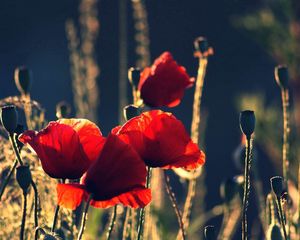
[32, 33]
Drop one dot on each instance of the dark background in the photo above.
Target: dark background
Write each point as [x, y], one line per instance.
[32, 33]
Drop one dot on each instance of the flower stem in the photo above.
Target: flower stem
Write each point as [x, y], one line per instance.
[22, 229]
[8, 177]
[84, 218]
[56, 213]
[142, 212]
[174, 204]
[15, 148]
[112, 223]
[246, 188]
[281, 217]
[125, 225]
[36, 206]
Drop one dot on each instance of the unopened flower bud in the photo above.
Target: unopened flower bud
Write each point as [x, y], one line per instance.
[63, 110]
[134, 76]
[24, 177]
[9, 118]
[201, 44]
[23, 79]
[247, 122]
[277, 185]
[228, 190]
[274, 232]
[282, 76]
[209, 233]
[131, 111]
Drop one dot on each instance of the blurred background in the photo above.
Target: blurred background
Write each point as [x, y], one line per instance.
[249, 38]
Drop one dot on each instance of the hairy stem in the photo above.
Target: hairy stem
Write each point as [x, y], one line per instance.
[175, 205]
[8, 177]
[112, 223]
[22, 229]
[15, 148]
[246, 188]
[142, 212]
[84, 218]
[281, 217]
[125, 225]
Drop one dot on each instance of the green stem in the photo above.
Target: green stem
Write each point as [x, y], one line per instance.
[175, 205]
[8, 177]
[15, 148]
[246, 188]
[56, 212]
[281, 217]
[112, 223]
[22, 229]
[84, 218]
[142, 212]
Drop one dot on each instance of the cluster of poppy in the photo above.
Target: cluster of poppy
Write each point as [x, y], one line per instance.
[112, 170]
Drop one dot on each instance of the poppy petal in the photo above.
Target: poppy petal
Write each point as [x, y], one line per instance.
[70, 195]
[119, 170]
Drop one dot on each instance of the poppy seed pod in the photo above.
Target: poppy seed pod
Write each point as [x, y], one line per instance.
[209, 233]
[274, 232]
[9, 118]
[23, 79]
[63, 110]
[134, 76]
[24, 177]
[201, 44]
[277, 185]
[282, 76]
[131, 111]
[247, 122]
[228, 190]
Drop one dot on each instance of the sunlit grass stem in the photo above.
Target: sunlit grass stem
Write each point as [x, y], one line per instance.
[174, 205]
[84, 218]
[246, 188]
[142, 212]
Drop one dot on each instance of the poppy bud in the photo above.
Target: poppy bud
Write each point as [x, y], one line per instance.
[274, 232]
[49, 237]
[19, 130]
[277, 185]
[228, 190]
[134, 76]
[24, 177]
[9, 118]
[63, 110]
[282, 76]
[201, 44]
[23, 79]
[209, 233]
[247, 122]
[131, 111]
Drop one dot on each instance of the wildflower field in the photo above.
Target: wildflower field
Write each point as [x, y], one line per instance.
[148, 135]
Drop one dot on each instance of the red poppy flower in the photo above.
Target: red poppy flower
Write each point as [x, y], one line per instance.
[163, 83]
[118, 176]
[66, 147]
[161, 140]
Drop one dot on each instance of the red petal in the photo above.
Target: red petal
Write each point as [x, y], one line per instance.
[59, 149]
[90, 136]
[135, 198]
[70, 195]
[164, 83]
[118, 170]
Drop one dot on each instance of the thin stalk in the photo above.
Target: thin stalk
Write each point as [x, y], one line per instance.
[56, 213]
[246, 188]
[22, 229]
[299, 200]
[125, 225]
[84, 218]
[112, 223]
[195, 135]
[8, 177]
[281, 217]
[175, 205]
[142, 212]
[36, 206]
[15, 148]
